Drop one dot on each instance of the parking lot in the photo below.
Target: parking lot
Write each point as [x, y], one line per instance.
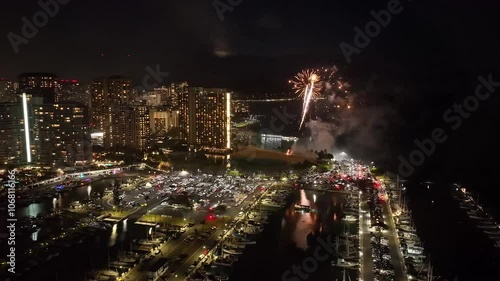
[193, 191]
[194, 238]
[330, 180]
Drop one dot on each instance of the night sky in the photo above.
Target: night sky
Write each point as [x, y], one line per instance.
[428, 57]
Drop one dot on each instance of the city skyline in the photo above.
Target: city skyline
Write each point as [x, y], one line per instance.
[238, 140]
[109, 113]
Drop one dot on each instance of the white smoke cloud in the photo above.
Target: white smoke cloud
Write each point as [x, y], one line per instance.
[321, 137]
[364, 129]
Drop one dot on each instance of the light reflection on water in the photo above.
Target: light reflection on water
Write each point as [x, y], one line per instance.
[114, 234]
[296, 225]
[65, 199]
[34, 235]
[303, 198]
[32, 210]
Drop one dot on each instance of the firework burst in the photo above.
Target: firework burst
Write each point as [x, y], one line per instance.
[303, 79]
[312, 84]
[307, 84]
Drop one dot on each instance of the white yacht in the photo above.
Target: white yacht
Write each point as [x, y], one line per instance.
[258, 216]
[231, 251]
[488, 226]
[495, 237]
[234, 244]
[350, 218]
[271, 203]
[245, 241]
[492, 232]
[343, 263]
[253, 229]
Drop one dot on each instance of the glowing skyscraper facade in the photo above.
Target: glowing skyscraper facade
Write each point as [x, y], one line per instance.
[205, 118]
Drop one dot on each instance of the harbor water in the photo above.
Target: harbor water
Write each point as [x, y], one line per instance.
[284, 241]
[73, 262]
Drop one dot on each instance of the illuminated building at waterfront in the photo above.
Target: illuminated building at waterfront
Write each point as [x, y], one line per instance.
[205, 118]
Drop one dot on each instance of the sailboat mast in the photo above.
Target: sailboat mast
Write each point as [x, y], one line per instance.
[430, 274]
[399, 190]
[130, 240]
[337, 244]
[347, 245]
[108, 259]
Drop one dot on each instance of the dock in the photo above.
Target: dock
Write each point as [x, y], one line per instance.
[145, 223]
[113, 220]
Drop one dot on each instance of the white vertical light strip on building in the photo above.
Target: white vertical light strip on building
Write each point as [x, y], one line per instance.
[228, 120]
[26, 129]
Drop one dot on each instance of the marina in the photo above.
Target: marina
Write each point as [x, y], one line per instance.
[367, 218]
[484, 221]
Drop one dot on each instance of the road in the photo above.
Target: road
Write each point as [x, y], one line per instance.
[179, 274]
[137, 274]
[396, 256]
[173, 248]
[90, 173]
[366, 246]
[195, 250]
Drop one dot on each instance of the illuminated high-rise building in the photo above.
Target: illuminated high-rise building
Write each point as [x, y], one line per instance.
[40, 85]
[107, 96]
[205, 118]
[128, 127]
[12, 136]
[46, 133]
[72, 90]
[166, 96]
[163, 119]
[118, 129]
[161, 95]
[174, 93]
[61, 134]
[141, 128]
[114, 90]
[6, 90]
